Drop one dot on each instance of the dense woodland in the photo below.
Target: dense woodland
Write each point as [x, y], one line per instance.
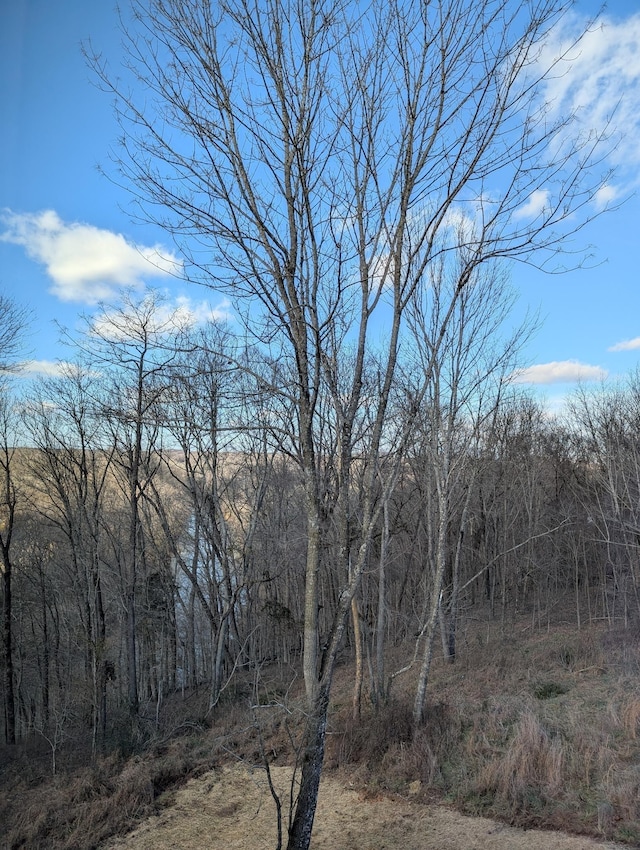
[154, 536]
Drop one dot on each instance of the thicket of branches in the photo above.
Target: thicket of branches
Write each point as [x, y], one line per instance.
[153, 517]
[348, 471]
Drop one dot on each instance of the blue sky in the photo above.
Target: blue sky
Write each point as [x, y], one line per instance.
[67, 240]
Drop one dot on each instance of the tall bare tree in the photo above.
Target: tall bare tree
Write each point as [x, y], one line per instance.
[14, 321]
[70, 473]
[8, 505]
[608, 421]
[13, 324]
[221, 469]
[132, 344]
[466, 375]
[313, 160]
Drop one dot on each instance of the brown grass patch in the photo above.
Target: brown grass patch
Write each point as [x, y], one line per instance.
[538, 729]
[77, 811]
[531, 765]
[631, 717]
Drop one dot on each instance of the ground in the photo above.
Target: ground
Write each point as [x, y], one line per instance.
[233, 809]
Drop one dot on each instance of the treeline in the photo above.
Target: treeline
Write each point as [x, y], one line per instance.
[155, 526]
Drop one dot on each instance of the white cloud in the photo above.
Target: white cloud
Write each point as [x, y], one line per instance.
[460, 223]
[538, 200]
[557, 372]
[162, 317]
[605, 195]
[626, 345]
[85, 263]
[197, 314]
[50, 368]
[598, 80]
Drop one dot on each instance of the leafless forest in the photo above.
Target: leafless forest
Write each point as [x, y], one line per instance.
[154, 531]
[348, 465]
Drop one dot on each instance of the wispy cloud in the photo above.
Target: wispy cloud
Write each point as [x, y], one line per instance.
[85, 263]
[605, 195]
[598, 81]
[158, 317]
[50, 368]
[626, 345]
[190, 313]
[558, 372]
[538, 200]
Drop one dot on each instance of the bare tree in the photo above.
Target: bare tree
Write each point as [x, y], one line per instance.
[70, 472]
[13, 323]
[466, 373]
[8, 504]
[132, 344]
[608, 422]
[314, 163]
[221, 469]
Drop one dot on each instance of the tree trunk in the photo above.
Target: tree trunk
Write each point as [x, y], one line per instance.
[311, 638]
[10, 705]
[132, 683]
[359, 673]
[101, 665]
[302, 824]
[430, 626]
[381, 693]
[45, 651]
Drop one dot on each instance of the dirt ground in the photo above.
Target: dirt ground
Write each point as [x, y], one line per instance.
[234, 810]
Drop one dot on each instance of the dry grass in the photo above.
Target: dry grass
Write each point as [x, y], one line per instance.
[630, 717]
[537, 729]
[77, 810]
[533, 761]
[543, 730]
[233, 809]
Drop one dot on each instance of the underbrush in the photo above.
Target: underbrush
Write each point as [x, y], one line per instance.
[537, 730]
[90, 800]
[77, 810]
[545, 733]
